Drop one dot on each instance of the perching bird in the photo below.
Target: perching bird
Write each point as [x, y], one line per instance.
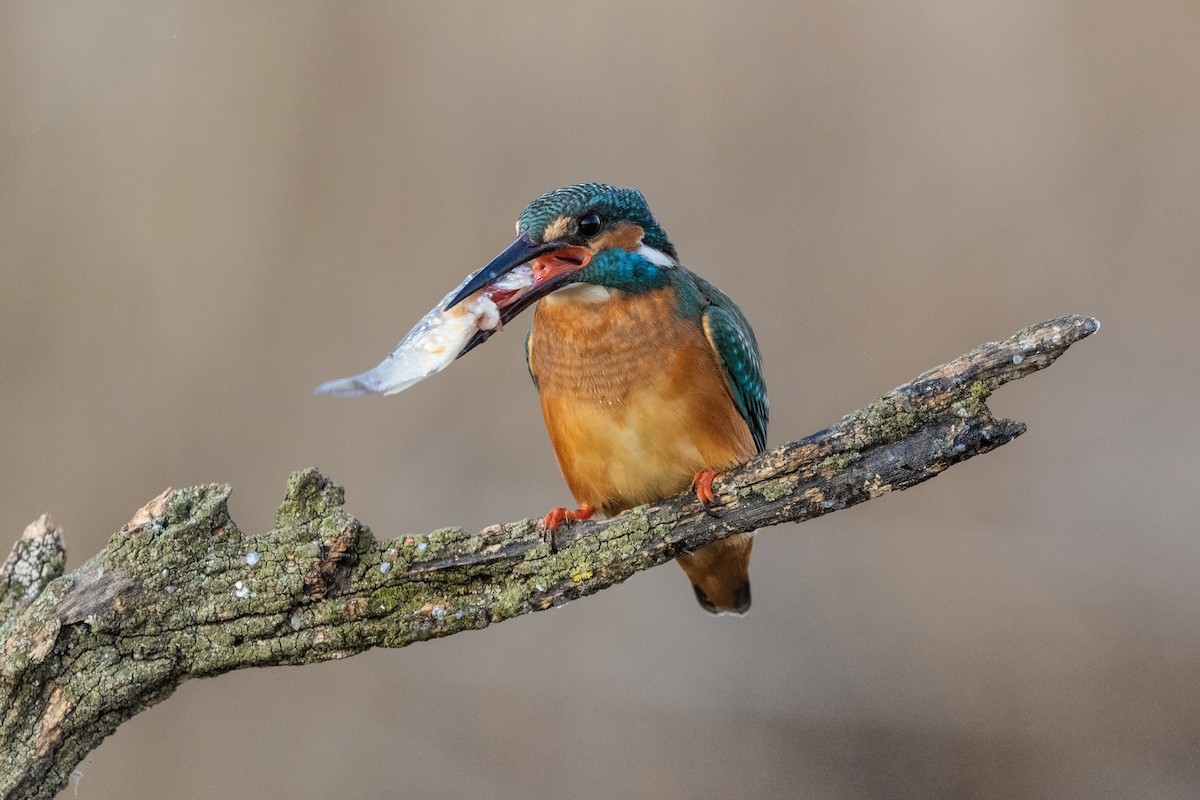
[650, 377]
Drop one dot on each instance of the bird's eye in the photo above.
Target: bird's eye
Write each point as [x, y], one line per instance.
[590, 224]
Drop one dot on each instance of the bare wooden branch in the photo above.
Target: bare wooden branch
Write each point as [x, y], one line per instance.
[180, 592]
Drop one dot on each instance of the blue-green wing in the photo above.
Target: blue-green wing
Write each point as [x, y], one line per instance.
[732, 339]
[529, 356]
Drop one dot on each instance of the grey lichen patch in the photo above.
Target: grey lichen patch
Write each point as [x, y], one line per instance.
[973, 404]
[435, 617]
[632, 528]
[629, 534]
[840, 461]
[523, 530]
[310, 495]
[208, 502]
[415, 546]
[900, 424]
[889, 418]
[37, 558]
[181, 527]
[395, 598]
[589, 563]
[511, 601]
[443, 539]
[380, 565]
[982, 389]
[33, 633]
[774, 489]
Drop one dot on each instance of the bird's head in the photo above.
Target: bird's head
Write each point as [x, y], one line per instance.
[589, 233]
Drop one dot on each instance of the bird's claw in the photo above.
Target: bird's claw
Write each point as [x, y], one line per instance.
[702, 484]
[558, 516]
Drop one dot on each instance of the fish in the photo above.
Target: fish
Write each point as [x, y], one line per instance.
[440, 337]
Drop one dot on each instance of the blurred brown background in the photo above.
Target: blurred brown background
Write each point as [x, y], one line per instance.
[208, 208]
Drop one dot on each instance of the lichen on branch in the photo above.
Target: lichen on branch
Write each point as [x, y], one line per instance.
[181, 592]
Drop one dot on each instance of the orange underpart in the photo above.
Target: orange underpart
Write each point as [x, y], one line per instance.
[558, 516]
[702, 483]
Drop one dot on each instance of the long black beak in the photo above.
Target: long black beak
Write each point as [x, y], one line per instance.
[522, 251]
[519, 252]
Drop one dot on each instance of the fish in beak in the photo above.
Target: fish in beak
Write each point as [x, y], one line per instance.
[514, 280]
[552, 265]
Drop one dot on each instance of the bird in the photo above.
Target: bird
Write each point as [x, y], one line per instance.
[650, 377]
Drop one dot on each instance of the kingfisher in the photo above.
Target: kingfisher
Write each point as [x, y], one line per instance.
[649, 376]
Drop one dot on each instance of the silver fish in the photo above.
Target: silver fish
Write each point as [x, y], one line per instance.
[437, 339]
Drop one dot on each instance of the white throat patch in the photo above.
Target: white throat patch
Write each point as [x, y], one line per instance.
[579, 293]
[656, 257]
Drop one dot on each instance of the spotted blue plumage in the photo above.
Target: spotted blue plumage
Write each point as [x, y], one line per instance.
[610, 202]
[732, 339]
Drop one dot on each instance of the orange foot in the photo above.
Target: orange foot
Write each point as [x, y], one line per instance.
[558, 516]
[702, 483]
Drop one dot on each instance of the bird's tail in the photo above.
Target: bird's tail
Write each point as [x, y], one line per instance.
[720, 574]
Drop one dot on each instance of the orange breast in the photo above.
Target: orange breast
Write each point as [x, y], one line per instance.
[633, 396]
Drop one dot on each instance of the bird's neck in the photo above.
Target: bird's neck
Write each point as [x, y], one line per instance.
[582, 344]
[632, 271]
[588, 312]
[581, 293]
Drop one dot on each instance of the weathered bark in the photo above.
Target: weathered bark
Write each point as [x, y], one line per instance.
[180, 592]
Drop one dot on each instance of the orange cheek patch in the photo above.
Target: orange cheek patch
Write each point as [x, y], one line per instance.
[626, 236]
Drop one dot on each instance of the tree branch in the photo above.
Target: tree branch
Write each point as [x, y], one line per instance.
[180, 592]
